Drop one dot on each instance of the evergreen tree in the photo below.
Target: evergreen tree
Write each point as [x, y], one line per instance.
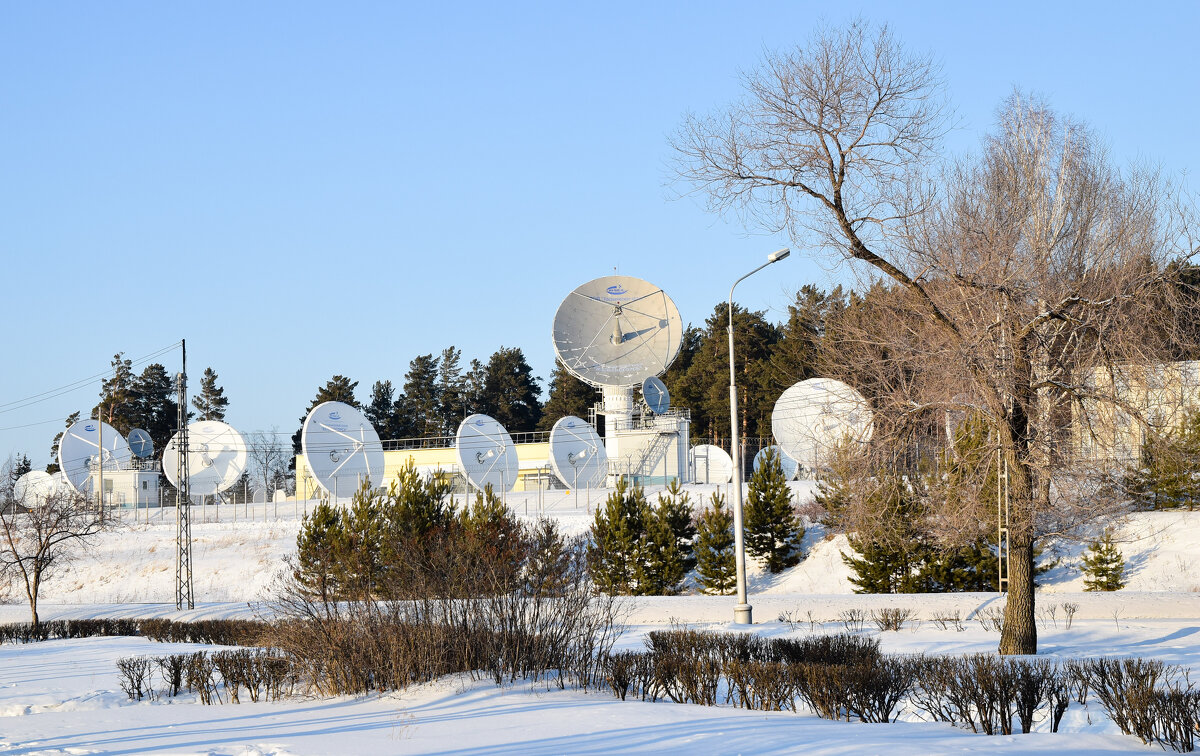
[1167, 475]
[1103, 565]
[568, 396]
[53, 467]
[660, 570]
[20, 466]
[339, 388]
[117, 398]
[380, 410]
[362, 564]
[451, 389]
[210, 403]
[773, 530]
[156, 410]
[419, 402]
[616, 540]
[716, 567]
[320, 551]
[510, 391]
[473, 384]
[675, 507]
[794, 357]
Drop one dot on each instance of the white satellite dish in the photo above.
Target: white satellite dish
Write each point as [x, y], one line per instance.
[789, 465]
[712, 464]
[577, 454]
[342, 448]
[216, 457]
[141, 444]
[79, 451]
[486, 453]
[617, 331]
[815, 416]
[35, 488]
[656, 396]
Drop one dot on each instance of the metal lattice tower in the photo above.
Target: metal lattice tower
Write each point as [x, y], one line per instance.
[183, 502]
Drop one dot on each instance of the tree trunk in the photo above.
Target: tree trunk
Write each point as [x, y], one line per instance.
[1019, 634]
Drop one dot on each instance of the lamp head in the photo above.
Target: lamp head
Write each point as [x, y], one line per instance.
[778, 255]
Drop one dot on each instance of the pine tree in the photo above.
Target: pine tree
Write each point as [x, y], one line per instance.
[675, 507]
[156, 410]
[451, 388]
[118, 400]
[320, 549]
[419, 402]
[1103, 565]
[510, 391]
[53, 467]
[210, 403]
[616, 540]
[1165, 476]
[20, 466]
[380, 410]
[568, 396]
[716, 567]
[773, 531]
[660, 569]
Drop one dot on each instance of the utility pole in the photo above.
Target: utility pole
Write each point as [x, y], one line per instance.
[183, 521]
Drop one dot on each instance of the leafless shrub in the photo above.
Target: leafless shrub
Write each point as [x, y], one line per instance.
[620, 671]
[944, 620]
[891, 618]
[170, 667]
[1128, 689]
[134, 672]
[1069, 608]
[852, 620]
[991, 618]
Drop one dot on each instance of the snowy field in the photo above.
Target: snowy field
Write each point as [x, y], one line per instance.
[63, 696]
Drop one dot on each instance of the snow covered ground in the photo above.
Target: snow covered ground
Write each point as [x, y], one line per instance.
[63, 696]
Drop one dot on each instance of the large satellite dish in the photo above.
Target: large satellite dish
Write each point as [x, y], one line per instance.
[656, 396]
[79, 450]
[486, 453]
[815, 416]
[712, 464]
[35, 488]
[577, 454]
[141, 444]
[789, 465]
[342, 448]
[216, 457]
[617, 331]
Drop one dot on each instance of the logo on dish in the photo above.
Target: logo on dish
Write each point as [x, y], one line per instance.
[570, 423]
[479, 423]
[335, 415]
[616, 291]
[89, 427]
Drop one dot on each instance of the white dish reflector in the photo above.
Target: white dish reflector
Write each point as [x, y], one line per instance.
[486, 453]
[216, 457]
[342, 448]
[814, 417]
[79, 452]
[577, 454]
[712, 464]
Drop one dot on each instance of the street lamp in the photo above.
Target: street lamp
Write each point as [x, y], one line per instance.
[742, 613]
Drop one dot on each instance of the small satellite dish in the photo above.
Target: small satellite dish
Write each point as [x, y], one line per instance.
[342, 448]
[617, 331]
[216, 457]
[79, 451]
[656, 396]
[713, 464]
[789, 465]
[35, 488]
[577, 454]
[813, 417]
[486, 453]
[141, 444]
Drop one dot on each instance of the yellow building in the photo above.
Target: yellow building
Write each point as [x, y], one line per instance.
[430, 456]
[1148, 399]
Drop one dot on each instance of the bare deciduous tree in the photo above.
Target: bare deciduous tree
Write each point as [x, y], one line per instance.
[1013, 277]
[37, 537]
[268, 456]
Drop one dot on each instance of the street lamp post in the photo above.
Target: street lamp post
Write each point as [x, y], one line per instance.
[742, 613]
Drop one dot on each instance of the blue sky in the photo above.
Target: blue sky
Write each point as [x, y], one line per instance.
[304, 189]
